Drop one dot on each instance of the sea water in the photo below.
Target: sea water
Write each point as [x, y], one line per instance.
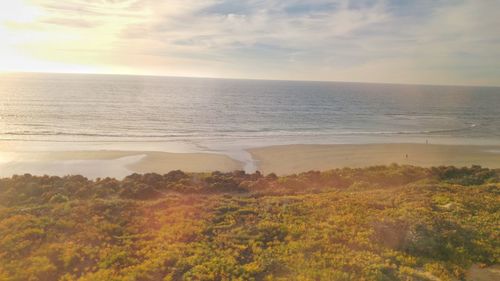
[81, 111]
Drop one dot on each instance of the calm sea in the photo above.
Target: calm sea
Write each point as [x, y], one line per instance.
[165, 113]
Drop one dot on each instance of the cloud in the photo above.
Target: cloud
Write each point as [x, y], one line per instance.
[440, 42]
[80, 23]
[220, 26]
[88, 7]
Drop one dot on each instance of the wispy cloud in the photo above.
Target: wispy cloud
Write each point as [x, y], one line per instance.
[442, 42]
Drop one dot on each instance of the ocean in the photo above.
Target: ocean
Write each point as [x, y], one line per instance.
[81, 111]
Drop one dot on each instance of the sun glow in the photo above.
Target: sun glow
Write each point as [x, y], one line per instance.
[27, 44]
[17, 13]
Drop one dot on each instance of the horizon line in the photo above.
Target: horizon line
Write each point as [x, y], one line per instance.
[251, 79]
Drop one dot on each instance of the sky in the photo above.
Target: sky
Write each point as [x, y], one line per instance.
[391, 41]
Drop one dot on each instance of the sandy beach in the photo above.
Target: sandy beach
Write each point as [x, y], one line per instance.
[105, 163]
[287, 159]
[163, 162]
[282, 160]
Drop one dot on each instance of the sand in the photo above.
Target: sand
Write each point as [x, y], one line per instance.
[282, 160]
[104, 163]
[163, 162]
[287, 159]
[478, 273]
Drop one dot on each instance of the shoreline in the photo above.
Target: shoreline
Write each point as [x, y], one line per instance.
[279, 159]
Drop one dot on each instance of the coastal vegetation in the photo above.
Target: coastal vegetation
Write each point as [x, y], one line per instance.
[377, 223]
